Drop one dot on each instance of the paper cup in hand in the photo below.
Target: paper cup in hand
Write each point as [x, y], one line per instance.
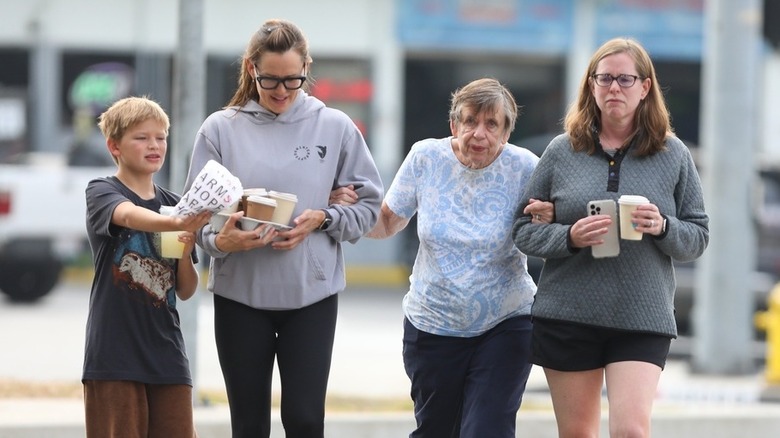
[285, 205]
[170, 247]
[629, 203]
[214, 189]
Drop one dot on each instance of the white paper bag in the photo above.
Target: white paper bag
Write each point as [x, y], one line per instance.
[214, 189]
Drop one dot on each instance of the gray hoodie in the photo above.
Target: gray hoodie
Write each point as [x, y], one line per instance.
[308, 150]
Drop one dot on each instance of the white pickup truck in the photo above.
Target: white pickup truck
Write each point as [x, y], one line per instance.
[42, 223]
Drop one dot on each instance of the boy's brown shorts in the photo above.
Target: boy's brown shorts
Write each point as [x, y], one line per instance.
[126, 409]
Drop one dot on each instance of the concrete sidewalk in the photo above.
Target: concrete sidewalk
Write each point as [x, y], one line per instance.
[63, 418]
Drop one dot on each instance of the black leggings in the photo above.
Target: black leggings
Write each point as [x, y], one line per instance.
[248, 339]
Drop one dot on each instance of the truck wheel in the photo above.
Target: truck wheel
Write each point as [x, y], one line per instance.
[28, 280]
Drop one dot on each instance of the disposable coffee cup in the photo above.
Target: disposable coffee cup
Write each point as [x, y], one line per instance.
[247, 194]
[170, 247]
[285, 205]
[260, 208]
[629, 203]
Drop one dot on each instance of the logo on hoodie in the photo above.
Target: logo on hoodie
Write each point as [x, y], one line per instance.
[301, 153]
[322, 151]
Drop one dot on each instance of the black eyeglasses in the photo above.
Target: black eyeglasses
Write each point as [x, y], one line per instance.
[606, 79]
[290, 82]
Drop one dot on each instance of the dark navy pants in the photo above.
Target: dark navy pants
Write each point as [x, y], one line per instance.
[468, 387]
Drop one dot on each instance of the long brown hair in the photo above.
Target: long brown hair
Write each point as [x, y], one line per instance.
[651, 121]
[276, 36]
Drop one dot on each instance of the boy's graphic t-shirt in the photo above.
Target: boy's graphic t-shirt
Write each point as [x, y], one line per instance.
[133, 330]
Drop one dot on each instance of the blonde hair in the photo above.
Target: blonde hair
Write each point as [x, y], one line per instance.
[275, 36]
[128, 112]
[484, 95]
[652, 124]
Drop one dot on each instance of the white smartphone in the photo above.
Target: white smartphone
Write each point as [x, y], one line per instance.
[611, 245]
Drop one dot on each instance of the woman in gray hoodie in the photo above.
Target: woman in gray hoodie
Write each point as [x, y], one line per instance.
[274, 287]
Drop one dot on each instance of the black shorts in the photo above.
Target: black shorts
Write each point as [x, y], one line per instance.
[566, 346]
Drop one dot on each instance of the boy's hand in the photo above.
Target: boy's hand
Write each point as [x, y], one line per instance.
[188, 239]
[193, 223]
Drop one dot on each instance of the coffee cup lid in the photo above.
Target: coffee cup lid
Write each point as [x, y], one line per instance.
[261, 200]
[257, 191]
[282, 195]
[633, 199]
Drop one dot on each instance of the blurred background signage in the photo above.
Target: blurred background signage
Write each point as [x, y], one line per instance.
[669, 28]
[100, 85]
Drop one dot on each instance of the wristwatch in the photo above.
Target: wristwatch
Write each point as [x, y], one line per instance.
[325, 222]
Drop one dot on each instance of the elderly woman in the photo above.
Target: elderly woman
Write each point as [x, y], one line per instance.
[467, 324]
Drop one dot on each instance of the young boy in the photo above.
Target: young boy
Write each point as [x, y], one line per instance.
[136, 377]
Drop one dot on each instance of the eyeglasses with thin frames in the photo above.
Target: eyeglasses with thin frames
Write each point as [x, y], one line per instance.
[606, 79]
[290, 82]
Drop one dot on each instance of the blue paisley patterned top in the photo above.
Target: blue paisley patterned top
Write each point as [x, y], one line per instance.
[468, 275]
